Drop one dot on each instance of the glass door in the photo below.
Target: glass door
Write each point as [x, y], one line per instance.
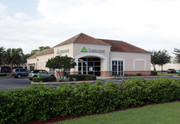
[117, 68]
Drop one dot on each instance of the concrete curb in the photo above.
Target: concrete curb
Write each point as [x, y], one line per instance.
[71, 82]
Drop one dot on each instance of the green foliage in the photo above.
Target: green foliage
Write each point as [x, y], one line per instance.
[126, 74]
[138, 74]
[4, 74]
[177, 53]
[130, 74]
[44, 79]
[1, 54]
[61, 62]
[42, 102]
[41, 48]
[154, 73]
[160, 58]
[82, 77]
[12, 57]
[24, 57]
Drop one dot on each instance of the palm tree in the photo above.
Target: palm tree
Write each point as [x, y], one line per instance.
[12, 57]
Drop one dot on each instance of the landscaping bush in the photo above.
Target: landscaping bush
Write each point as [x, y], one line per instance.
[82, 77]
[132, 75]
[4, 74]
[44, 102]
[154, 73]
[44, 79]
[138, 74]
[126, 74]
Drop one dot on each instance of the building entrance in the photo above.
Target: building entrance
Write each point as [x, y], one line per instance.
[88, 65]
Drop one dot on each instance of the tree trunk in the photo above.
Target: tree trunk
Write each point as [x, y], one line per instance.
[161, 68]
[11, 66]
[154, 66]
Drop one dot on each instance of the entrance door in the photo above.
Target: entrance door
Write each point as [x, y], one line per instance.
[117, 68]
[89, 66]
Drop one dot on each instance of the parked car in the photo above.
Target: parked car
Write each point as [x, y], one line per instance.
[177, 71]
[42, 73]
[20, 72]
[171, 71]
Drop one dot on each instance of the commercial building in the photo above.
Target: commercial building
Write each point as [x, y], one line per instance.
[100, 57]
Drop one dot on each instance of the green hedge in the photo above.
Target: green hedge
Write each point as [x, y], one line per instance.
[42, 102]
[44, 79]
[4, 74]
[154, 73]
[82, 77]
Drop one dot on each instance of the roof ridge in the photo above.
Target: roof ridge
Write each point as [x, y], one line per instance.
[77, 37]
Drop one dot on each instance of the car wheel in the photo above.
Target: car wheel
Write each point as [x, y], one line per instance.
[15, 76]
[19, 76]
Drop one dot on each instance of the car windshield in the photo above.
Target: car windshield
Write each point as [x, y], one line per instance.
[35, 71]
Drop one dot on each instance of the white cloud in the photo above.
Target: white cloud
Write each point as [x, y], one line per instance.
[152, 24]
[21, 16]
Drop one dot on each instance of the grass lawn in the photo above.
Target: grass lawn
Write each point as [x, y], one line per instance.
[168, 113]
[166, 74]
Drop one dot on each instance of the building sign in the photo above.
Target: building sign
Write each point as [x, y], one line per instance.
[92, 50]
[62, 51]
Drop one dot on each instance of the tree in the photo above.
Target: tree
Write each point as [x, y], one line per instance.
[24, 58]
[12, 57]
[41, 48]
[164, 58]
[177, 53]
[160, 58]
[61, 62]
[1, 54]
[154, 59]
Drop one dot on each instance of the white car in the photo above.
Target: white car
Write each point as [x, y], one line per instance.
[42, 73]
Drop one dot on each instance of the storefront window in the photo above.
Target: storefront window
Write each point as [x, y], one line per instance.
[117, 68]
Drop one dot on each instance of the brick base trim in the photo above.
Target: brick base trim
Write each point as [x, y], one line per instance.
[74, 72]
[106, 73]
[144, 73]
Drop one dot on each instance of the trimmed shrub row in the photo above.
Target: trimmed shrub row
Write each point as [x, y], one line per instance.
[42, 102]
[82, 77]
[4, 74]
[154, 73]
[44, 79]
[137, 74]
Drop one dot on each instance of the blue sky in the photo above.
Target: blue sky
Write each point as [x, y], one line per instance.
[151, 24]
[27, 6]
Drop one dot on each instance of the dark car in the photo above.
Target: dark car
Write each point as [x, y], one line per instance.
[171, 71]
[20, 72]
[42, 73]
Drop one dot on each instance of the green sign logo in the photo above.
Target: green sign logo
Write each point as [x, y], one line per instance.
[83, 49]
[57, 51]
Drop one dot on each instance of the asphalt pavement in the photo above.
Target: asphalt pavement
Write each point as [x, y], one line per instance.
[14, 83]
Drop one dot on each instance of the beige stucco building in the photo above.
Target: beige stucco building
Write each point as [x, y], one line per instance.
[97, 56]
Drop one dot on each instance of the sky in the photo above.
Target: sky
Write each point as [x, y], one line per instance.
[149, 24]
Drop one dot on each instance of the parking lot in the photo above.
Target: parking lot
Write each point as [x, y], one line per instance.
[15, 83]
